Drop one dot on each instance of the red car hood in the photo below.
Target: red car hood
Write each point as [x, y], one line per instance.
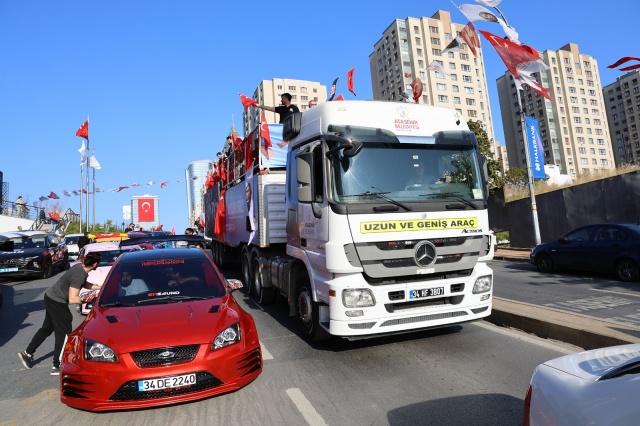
[127, 329]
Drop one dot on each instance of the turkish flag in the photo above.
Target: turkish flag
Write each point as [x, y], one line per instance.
[83, 131]
[339, 98]
[146, 212]
[416, 86]
[248, 155]
[350, 80]
[265, 138]
[246, 101]
[237, 141]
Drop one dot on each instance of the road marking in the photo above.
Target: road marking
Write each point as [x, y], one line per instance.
[304, 406]
[616, 292]
[549, 344]
[265, 353]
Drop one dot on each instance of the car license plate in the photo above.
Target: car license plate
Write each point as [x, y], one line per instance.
[426, 292]
[166, 383]
[8, 269]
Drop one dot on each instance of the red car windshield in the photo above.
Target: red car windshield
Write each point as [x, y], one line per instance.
[161, 281]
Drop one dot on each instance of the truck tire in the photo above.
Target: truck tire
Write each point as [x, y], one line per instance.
[245, 260]
[309, 313]
[263, 295]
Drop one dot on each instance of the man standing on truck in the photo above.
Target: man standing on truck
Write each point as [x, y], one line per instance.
[285, 110]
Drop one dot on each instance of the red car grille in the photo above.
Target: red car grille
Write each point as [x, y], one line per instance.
[165, 356]
[129, 391]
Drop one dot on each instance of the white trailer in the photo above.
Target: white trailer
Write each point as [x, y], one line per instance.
[349, 230]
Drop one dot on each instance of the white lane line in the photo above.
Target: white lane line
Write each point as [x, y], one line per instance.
[265, 353]
[549, 344]
[616, 292]
[308, 412]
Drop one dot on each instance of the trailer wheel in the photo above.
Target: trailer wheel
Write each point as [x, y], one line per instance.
[263, 295]
[246, 269]
[309, 314]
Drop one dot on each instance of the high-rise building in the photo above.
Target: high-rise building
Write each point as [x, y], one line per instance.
[268, 93]
[195, 176]
[574, 129]
[622, 102]
[406, 49]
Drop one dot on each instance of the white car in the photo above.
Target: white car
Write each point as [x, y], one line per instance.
[596, 387]
[71, 241]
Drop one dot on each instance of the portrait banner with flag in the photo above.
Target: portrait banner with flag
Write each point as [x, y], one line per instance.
[475, 12]
[332, 93]
[83, 131]
[470, 36]
[536, 153]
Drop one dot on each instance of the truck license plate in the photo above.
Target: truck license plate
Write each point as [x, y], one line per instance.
[426, 292]
[166, 382]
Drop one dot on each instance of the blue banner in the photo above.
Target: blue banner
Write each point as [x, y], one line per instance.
[536, 153]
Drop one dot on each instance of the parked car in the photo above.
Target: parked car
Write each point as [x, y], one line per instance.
[110, 252]
[596, 387]
[31, 253]
[610, 248]
[71, 241]
[180, 336]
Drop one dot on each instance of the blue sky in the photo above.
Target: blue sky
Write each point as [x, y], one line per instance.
[160, 79]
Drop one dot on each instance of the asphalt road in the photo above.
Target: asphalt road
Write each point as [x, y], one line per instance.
[472, 374]
[598, 295]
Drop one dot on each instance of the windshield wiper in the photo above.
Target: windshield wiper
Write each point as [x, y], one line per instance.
[112, 304]
[455, 195]
[382, 196]
[168, 299]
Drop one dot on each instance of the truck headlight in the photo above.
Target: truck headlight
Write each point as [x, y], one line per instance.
[482, 284]
[95, 351]
[358, 298]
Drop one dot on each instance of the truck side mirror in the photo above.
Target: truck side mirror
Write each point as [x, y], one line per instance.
[304, 170]
[485, 174]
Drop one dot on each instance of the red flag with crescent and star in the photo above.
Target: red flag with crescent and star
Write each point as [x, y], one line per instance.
[350, 80]
[246, 101]
[163, 184]
[265, 138]
[83, 131]
[145, 210]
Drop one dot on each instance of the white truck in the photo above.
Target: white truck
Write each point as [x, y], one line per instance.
[370, 220]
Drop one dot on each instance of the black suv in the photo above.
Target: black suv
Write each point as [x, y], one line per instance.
[31, 253]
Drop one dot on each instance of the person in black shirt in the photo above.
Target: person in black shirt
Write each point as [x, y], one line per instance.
[285, 110]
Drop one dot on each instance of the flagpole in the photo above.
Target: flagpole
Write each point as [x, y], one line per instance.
[534, 208]
[81, 183]
[94, 193]
[87, 182]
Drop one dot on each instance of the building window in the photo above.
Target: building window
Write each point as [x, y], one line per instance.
[441, 86]
[303, 89]
[279, 86]
[443, 98]
[468, 90]
[465, 67]
[472, 113]
[292, 88]
[435, 41]
[471, 102]
[436, 52]
[467, 79]
[433, 30]
[456, 100]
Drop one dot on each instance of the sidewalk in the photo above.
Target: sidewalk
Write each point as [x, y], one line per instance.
[576, 329]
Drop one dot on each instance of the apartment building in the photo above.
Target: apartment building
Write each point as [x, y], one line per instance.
[574, 128]
[406, 49]
[622, 103]
[268, 93]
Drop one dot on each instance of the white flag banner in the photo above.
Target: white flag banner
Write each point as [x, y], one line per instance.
[475, 12]
[93, 163]
[84, 153]
[490, 3]
[436, 66]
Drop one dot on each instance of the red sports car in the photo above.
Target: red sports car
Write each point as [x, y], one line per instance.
[165, 329]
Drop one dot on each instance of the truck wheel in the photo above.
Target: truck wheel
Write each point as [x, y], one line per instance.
[263, 295]
[47, 270]
[246, 268]
[309, 314]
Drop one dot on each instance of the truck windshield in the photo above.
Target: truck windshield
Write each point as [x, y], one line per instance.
[406, 172]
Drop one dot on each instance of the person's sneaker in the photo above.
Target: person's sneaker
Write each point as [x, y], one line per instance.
[55, 371]
[27, 360]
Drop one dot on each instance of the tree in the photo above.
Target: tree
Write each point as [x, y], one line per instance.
[516, 176]
[493, 166]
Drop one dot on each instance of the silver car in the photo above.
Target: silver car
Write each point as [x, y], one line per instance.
[596, 387]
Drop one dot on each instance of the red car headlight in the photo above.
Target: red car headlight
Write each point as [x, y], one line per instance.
[95, 351]
[227, 337]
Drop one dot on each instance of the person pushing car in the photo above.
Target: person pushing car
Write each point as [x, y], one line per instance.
[58, 318]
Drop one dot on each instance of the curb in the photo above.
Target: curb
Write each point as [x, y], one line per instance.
[576, 329]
